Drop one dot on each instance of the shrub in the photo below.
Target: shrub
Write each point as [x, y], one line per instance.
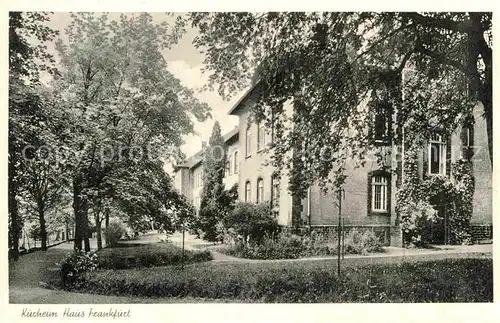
[75, 264]
[113, 233]
[281, 246]
[362, 242]
[251, 222]
[140, 255]
[291, 246]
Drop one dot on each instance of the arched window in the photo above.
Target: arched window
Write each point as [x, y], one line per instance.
[248, 141]
[260, 190]
[261, 136]
[248, 192]
[379, 193]
[275, 191]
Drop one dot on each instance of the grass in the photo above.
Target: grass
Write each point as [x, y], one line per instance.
[131, 255]
[449, 280]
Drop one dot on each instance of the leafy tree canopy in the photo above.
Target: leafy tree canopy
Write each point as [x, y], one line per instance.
[428, 66]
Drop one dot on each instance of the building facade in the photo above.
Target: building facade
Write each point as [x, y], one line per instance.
[369, 193]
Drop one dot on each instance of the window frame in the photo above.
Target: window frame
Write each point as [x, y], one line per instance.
[275, 192]
[383, 185]
[236, 163]
[261, 136]
[248, 191]
[370, 190]
[260, 190]
[442, 153]
[248, 141]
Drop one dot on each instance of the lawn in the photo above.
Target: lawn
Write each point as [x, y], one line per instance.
[446, 280]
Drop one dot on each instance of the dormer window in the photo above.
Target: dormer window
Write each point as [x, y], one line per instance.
[437, 154]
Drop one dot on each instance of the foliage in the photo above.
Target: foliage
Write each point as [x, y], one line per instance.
[361, 242]
[419, 198]
[456, 280]
[251, 222]
[123, 112]
[291, 246]
[140, 255]
[330, 67]
[212, 209]
[113, 233]
[27, 61]
[75, 264]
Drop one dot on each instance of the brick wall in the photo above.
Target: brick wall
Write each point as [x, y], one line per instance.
[481, 232]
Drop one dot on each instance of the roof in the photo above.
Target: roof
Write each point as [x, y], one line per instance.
[197, 158]
[237, 105]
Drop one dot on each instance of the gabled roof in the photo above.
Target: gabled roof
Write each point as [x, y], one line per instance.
[197, 158]
[237, 105]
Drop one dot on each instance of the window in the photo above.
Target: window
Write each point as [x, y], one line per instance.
[261, 136]
[236, 162]
[437, 154]
[379, 194]
[230, 165]
[381, 123]
[275, 192]
[248, 192]
[248, 141]
[260, 190]
[198, 180]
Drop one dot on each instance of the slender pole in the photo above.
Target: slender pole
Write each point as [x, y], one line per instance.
[343, 238]
[339, 231]
[183, 235]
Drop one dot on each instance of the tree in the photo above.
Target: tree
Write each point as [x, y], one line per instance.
[123, 105]
[26, 62]
[214, 165]
[333, 63]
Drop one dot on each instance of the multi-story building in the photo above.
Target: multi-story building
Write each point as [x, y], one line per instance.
[188, 175]
[369, 198]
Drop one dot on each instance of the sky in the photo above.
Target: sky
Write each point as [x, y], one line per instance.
[185, 62]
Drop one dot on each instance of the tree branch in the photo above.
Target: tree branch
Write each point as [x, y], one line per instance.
[460, 26]
[441, 58]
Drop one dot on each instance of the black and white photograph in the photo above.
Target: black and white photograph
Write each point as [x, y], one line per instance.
[248, 157]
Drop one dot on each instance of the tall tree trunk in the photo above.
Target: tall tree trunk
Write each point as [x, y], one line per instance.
[67, 230]
[43, 228]
[106, 218]
[77, 209]
[98, 230]
[86, 231]
[15, 227]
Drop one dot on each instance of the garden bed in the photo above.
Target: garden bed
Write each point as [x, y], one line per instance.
[449, 280]
[291, 246]
[132, 255]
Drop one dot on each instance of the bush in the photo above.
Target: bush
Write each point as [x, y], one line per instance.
[281, 246]
[362, 242]
[250, 222]
[142, 255]
[75, 264]
[113, 233]
[291, 246]
[458, 280]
